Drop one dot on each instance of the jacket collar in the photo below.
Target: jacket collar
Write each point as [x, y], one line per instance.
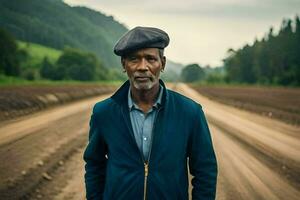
[121, 95]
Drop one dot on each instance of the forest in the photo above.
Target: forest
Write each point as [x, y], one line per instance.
[273, 60]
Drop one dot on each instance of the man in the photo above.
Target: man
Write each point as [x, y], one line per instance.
[142, 137]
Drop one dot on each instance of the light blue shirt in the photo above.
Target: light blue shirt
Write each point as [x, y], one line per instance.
[142, 123]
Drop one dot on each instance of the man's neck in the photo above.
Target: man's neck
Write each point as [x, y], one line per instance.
[145, 99]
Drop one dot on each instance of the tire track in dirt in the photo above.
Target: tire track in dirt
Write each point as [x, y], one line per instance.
[10, 132]
[246, 176]
[254, 157]
[33, 148]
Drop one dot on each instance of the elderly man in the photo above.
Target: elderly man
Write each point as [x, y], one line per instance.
[143, 139]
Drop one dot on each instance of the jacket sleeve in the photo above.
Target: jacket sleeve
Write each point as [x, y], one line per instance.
[96, 161]
[202, 160]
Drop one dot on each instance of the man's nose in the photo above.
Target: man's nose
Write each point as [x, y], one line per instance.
[143, 65]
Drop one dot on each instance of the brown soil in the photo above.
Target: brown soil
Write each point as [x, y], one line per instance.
[38, 151]
[17, 101]
[279, 103]
[258, 157]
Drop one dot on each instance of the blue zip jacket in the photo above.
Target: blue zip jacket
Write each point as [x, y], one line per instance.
[115, 169]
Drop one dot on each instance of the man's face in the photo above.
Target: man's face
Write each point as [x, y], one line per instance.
[143, 68]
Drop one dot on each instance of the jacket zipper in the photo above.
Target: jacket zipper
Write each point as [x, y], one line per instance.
[146, 163]
[146, 178]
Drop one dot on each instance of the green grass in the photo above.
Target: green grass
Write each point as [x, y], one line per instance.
[38, 52]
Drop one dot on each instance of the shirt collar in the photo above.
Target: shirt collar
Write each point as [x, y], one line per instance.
[132, 104]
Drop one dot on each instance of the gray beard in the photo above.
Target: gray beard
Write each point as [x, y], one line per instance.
[144, 85]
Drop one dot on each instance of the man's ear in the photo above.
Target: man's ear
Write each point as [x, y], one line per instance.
[163, 62]
[123, 64]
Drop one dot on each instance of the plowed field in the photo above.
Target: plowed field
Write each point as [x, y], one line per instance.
[258, 157]
[16, 101]
[278, 103]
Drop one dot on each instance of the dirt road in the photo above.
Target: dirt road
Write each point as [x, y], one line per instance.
[38, 151]
[42, 155]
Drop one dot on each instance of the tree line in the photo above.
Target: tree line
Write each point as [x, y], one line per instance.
[73, 64]
[275, 59]
[196, 73]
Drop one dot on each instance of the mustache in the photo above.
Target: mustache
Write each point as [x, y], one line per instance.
[143, 75]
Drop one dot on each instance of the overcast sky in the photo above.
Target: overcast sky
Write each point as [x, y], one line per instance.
[201, 31]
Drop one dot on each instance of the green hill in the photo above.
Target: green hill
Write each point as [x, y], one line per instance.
[37, 53]
[55, 24]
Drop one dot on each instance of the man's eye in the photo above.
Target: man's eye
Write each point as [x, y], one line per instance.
[133, 58]
[151, 59]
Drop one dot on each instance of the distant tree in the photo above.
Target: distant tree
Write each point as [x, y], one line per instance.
[77, 65]
[296, 66]
[192, 73]
[48, 70]
[29, 74]
[215, 78]
[214, 74]
[9, 55]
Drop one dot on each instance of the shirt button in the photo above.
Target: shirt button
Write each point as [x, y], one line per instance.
[145, 138]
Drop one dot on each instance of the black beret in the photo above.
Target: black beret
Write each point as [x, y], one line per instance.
[141, 37]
